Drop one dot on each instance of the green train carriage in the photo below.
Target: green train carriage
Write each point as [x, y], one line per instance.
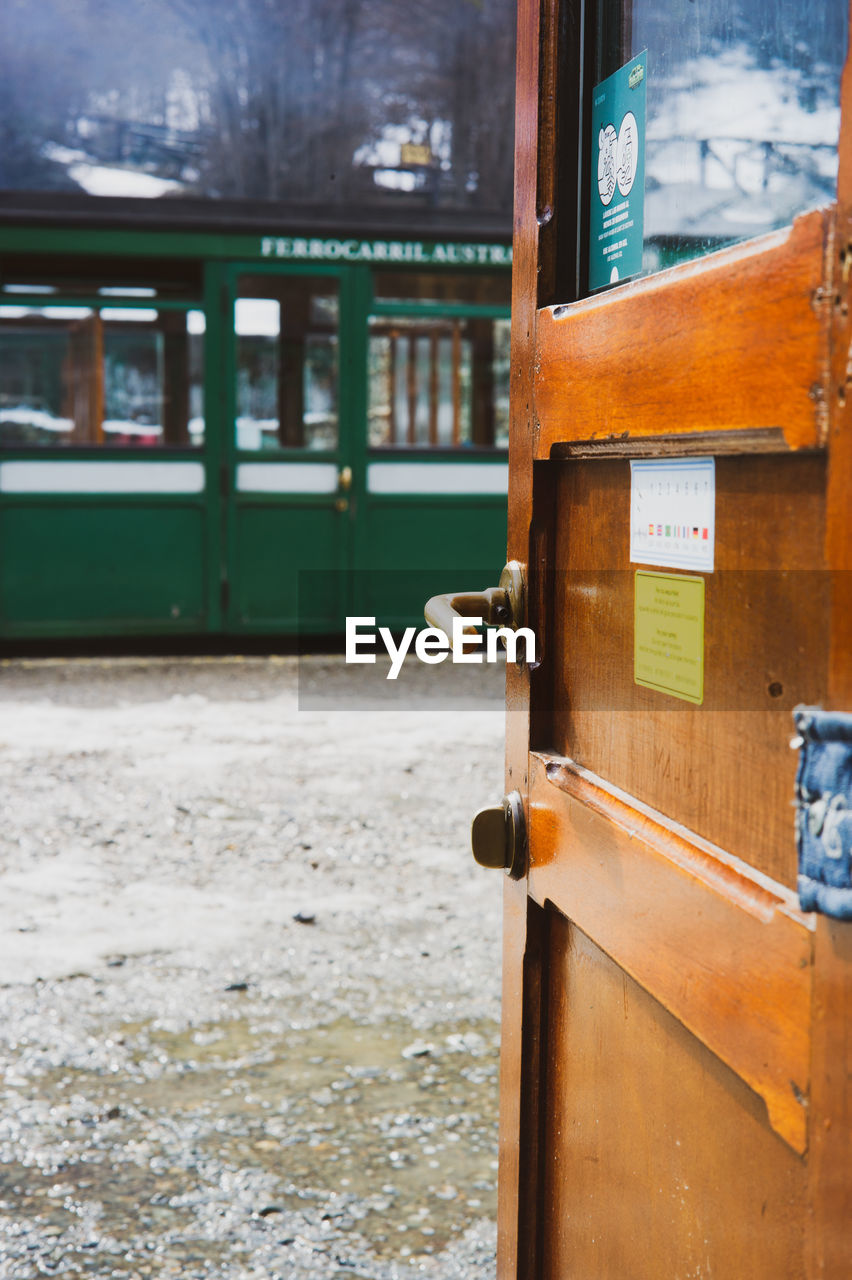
[247, 434]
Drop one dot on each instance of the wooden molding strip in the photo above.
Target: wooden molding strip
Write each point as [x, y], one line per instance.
[690, 444]
[724, 950]
[737, 341]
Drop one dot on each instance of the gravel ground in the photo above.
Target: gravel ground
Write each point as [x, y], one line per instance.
[250, 1000]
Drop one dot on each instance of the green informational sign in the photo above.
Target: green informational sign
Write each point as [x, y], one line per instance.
[618, 174]
[668, 634]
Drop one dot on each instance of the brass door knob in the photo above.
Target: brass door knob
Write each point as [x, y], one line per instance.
[498, 836]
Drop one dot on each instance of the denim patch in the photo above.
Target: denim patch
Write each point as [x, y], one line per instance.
[824, 811]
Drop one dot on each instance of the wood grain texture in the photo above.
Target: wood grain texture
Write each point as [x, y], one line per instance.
[729, 958]
[830, 1157]
[547, 138]
[521, 1072]
[830, 1154]
[519, 1079]
[512, 1069]
[838, 540]
[660, 1163]
[736, 341]
[723, 769]
[654, 1114]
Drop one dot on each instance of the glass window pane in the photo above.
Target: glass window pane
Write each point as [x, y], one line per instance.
[287, 363]
[175, 279]
[502, 332]
[113, 376]
[441, 382]
[485, 288]
[742, 113]
[335, 105]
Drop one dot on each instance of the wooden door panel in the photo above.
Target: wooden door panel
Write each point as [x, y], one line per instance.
[642, 1122]
[724, 769]
[676, 1088]
[737, 342]
[724, 951]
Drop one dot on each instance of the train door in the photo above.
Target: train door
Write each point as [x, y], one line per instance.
[675, 1090]
[287, 464]
[437, 413]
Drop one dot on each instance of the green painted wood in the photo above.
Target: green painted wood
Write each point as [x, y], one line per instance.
[419, 547]
[284, 571]
[101, 566]
[228, 563]
[255, 247]
[286, 556]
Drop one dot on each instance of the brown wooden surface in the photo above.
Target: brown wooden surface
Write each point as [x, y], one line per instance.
[548, 223]
[659, 1160]
[433, 387]
[728, 956]
[519, 1081]
[84, 380]
[411, 386]
[733, 342]
[724, 768]
[642, 1066]
[830, 1156]
[393, 342]
[456, 376]
[294, 298]
[176, 380]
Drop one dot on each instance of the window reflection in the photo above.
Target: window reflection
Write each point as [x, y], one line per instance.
[287, 364]
[438, 382]
[742, 113]
[109, 376]
[483, 288]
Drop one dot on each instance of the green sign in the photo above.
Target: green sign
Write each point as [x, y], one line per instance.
[412, 252]
[618, 174]
[668, 634]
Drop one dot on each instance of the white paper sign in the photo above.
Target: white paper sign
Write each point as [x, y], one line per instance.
[673, 512]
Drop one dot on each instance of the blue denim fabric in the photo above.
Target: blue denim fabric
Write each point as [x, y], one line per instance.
[824, 811]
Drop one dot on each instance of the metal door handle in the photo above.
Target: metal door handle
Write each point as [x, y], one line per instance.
[344, 479]
[497, 606]
[498, 836]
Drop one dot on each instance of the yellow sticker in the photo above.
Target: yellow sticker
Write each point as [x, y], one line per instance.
[668, 634]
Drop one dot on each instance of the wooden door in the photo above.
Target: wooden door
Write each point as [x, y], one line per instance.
[675, 1090]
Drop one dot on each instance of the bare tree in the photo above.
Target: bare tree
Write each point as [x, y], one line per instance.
[285, 91]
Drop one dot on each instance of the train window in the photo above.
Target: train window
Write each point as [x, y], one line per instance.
[287, 363]
[84, 276]
[742, 113]
[438, 381]
[112, 376]
[483, 288]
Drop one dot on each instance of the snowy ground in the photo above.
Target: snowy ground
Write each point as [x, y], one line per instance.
[250, 1000]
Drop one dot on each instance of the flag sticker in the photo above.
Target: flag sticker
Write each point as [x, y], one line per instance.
[666, 496]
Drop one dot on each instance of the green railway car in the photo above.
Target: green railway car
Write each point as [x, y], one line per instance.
[247, 434]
